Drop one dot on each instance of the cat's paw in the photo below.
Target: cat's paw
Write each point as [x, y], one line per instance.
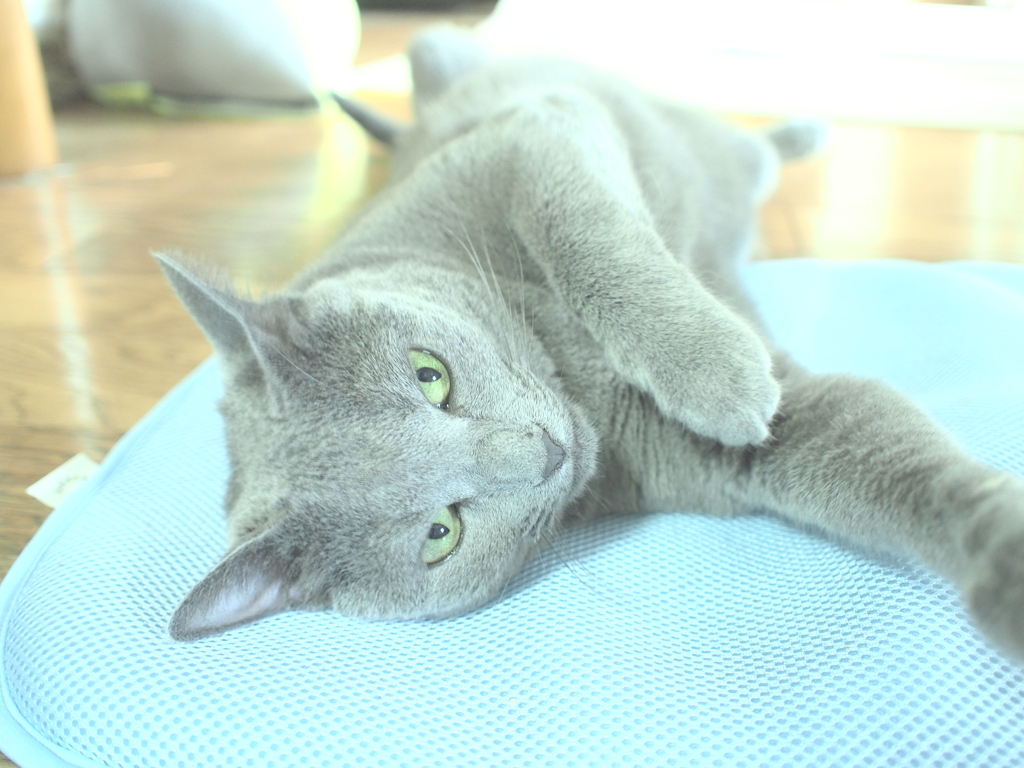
[730, 398]
[718, 384]
[996, 598]
[994, 588]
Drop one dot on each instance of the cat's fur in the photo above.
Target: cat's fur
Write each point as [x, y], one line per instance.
[567, 246]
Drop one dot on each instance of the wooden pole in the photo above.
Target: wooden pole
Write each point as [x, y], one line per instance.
[27, 138]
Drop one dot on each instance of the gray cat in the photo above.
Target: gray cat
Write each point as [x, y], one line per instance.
[538, 322]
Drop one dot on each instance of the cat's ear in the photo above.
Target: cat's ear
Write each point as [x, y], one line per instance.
[255, 580]
[440, 57]
[213, 304]
[241, 330]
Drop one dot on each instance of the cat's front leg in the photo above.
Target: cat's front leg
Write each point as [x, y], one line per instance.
[860, 460]
[703, 366]
[576, 205]
[993, 582]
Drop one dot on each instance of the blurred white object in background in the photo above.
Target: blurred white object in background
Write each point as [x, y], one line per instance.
[888, 61]
[877, 61]
[278, 51]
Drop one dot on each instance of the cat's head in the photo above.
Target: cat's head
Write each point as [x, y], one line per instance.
[399, 446]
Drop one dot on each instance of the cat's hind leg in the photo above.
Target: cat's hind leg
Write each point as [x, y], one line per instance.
[796, 139]
[439, 57]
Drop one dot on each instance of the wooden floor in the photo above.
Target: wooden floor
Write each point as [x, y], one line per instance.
[91, 336]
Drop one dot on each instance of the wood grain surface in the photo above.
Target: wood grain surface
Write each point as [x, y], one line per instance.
[91, 335]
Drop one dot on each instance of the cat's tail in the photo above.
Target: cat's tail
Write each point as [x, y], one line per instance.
[383, 128]
[794, 139]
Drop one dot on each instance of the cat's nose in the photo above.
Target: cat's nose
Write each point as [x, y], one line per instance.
[556, 454]
[511, 457]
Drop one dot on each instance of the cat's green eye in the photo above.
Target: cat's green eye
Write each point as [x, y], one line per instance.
[445, 532]
[432, 376]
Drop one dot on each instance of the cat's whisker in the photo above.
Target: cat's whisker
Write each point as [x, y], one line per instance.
[474, 257]
[499, 297]
[566, 562]
[561, 530]
[515, 344]
[599, 501]
[504, 588]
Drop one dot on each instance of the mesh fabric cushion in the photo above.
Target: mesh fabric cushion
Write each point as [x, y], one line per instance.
[675, 639]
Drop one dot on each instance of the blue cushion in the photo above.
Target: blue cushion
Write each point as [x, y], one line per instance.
[675, 639]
